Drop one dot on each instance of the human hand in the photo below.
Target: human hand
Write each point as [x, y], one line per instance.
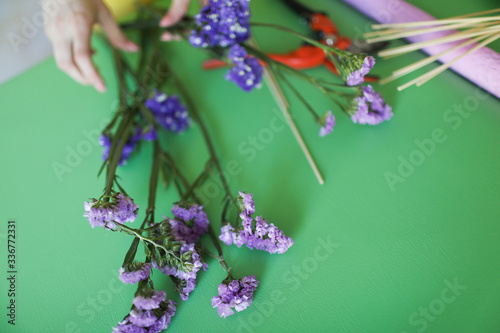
[70, 29]
[177, 10]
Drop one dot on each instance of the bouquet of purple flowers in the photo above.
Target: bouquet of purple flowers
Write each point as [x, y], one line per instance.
[175, 246]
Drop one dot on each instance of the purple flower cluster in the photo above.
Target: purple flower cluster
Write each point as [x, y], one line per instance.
[237, 295]
[144, 320]
[358, 76]
[188, 277]
[149, 300]
[119, 209]
[371, 108]
[265, 236]
[247, 71]
[169, 112]
[134, 273]
[189, 224]
[148, 134]
[222, 23]
[327, 122]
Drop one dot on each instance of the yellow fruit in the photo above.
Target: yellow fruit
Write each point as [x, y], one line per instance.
[122, 8]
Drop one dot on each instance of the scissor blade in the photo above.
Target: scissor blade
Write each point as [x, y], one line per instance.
[362, 46]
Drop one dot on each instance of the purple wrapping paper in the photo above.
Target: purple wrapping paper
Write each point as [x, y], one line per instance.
[481, 67]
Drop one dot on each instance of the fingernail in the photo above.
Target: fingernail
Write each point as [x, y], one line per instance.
[166, 37]
[131, 46]
[165, 21]
[100, 87]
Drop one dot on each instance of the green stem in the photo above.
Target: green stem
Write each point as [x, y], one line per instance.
[299, 95]
[311, 41]
[204, 130]
[133, 232]
[200, 180]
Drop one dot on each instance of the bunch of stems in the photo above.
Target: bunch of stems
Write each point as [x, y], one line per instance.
[482, 27]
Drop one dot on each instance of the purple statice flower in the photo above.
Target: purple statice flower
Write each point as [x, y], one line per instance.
[120, 208]
[266, 237]
[188, 277]
[149, 299]
[169, 112]
[263, 236]
[142, 318]
[237, 295]
[162, 323]
[189, 224]
[227, 234]
[247, 203]
[134, 273]
[371, 108]
[247, 71]
[128, 148]
[150, 134]
[146, 321]
[327, 122]
[126, 326]
[353, 67]
[125, 210]
[222, 23]
[97, 216]
[358, 76]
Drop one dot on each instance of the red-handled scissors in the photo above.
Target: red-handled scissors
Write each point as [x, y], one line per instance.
[310, 56]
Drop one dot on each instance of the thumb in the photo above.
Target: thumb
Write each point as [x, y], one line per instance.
[115, 34]
[175, 13]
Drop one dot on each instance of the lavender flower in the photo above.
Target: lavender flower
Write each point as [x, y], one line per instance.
[142, 318]
[169, 112]
[128, 148]
[371, 108]
[265, 237]
[189, 224]
[354, 67]
[227, 234]
[119, 209]
[246, 72]
[327, 122]
[149, 299]
[168, 310]
[222, 23]
[150, 134]
[260, 235]
[237, 295]
[136, 272]
[147, 321]
[247, 203]
[187, 280]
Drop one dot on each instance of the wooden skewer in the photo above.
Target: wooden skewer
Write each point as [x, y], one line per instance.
[284, 106]
[491, 11]
[433, 73]
[415, 32]
[444, 67]
[434, 22]
[451, 38]
[424, 62]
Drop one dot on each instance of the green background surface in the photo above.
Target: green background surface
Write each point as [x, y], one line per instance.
[396, 250]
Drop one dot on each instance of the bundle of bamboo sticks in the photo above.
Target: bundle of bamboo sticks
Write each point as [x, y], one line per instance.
[483, 28]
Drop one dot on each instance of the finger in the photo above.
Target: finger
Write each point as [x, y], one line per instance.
[82, 30]
[167, 37]
[204, 2]
[115, 34]
[175, 13]
[64, 59]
